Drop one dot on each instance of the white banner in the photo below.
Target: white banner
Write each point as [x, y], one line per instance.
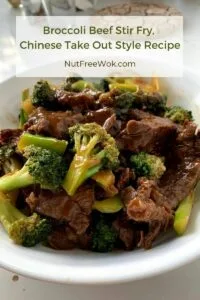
[99, 46]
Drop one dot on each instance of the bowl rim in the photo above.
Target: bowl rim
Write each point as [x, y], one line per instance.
[111, 274]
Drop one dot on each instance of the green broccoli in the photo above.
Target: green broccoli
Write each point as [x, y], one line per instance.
[126, 100]
[153, 102]
[124, 87]
[178, 114]
[7, 161]
[148, 165]
[94, 149]
[104, 236]
[43, 95]
[103, 85]
[6, 151]
[67, 86]
[183, 213]
[43, 167]
[109, 205]
[27, 139]
[81, 85]
[23, 230]
[23, 116]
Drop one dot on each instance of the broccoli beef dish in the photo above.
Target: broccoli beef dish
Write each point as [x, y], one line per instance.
[98, 166]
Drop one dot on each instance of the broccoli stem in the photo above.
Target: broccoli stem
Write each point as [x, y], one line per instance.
[23, 230]
[182, 214]
[6, 217]
[27, 139]
[19, 179]
[79, 171]
[84, 165]
[23, 116]
[81, 85]
[124, 87]
[108, 206]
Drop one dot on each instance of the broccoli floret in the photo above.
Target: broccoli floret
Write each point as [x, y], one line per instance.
[69, 81]
[148, 165]
[43, 95]
[104, 236]
[43, 167]
[126, 100]
[152, 102]
[53, 144]
[178, 114]
[6, 151]
[23, 230]
[103, 85]
[94, 149]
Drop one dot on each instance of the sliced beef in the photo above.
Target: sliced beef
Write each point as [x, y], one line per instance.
[65, 238]
[108, 99]
[150, 134]
[73, 210]
[145, 207]
[50, 123]
[99, 116]
[9, 136]
[138, 114]
[78, 102]
[179, 180]
[124, 176]
[112, 125]
[127, 194]
[187, 144]
[183, 170]
[126, 232]
[148, 210]
[146, 239]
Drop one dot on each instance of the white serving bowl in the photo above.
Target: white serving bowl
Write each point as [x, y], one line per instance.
[81, 267]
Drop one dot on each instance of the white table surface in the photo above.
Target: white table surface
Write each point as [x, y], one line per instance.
[183, 283]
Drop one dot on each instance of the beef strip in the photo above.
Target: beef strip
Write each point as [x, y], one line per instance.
[126, 232]
[145, 240]
[145, 207]
[99, 116]
[112, 125]
[127, 194]
[183, 170]
[108, 99]
[50, 123]
[65, 238]
[150, 134]
[124, 176]
[56, 124]
[78, 102]
[74, 210]
[9, 136]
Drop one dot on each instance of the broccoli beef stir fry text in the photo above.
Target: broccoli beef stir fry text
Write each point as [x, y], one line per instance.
[98, 166]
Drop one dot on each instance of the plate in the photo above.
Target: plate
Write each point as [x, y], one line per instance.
[82, 267]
